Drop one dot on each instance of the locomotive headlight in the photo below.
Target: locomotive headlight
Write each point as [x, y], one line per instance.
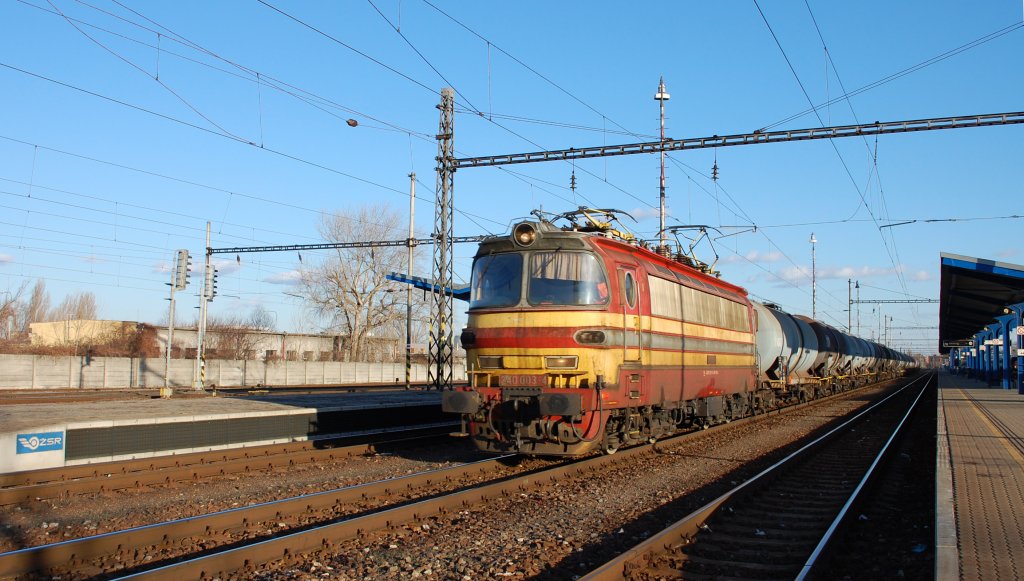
[524, 234]
[569, 362]
[489, 361]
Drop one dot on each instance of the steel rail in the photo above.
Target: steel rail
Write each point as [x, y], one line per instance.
[91, 478]
[621, 566]
[76, 552]
[288, 546]
[819, 550]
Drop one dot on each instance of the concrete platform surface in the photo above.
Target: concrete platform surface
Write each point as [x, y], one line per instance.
[45, 435]
[980, 481]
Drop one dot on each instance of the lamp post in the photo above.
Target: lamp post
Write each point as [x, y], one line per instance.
[857, 286]
[814, 278]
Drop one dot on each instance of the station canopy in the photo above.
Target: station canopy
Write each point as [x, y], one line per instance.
[973, 292]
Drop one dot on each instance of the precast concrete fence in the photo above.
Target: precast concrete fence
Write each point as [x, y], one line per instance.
[45, 372]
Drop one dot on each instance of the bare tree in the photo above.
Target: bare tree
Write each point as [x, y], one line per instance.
[261, 319]
[237, 336]
[80, 305]
[10, 302]
[36, 309]
[349, 289]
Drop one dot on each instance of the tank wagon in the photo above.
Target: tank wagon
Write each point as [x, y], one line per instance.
[581, 339]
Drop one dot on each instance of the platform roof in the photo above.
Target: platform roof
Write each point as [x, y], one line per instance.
[972, 292]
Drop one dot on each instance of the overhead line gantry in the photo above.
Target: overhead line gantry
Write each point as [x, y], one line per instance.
[440, 369]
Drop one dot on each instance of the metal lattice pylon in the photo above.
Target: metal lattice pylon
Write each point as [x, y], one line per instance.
[439, 370]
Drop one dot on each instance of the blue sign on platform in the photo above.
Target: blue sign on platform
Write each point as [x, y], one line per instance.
[40, 442]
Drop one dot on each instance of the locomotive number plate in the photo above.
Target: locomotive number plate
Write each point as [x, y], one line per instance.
[510, 380]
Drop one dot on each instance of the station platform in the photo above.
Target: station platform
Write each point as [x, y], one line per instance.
[53, 434]
[979, 481]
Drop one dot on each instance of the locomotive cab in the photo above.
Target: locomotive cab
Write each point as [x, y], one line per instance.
[535, 341]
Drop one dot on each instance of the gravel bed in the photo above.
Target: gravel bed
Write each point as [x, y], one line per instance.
[565, 530]
[52, 520]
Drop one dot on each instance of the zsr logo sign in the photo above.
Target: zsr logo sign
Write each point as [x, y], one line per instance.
[41, 442]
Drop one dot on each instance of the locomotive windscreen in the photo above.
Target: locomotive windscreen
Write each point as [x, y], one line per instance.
[566, 278]
[497, 281]
[555, 278]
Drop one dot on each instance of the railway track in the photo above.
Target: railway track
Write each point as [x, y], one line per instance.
[239, 539]
[778, 524]
[95, 478]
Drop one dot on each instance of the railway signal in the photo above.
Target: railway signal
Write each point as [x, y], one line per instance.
[210, 288]
[182, 270]
[179, 281]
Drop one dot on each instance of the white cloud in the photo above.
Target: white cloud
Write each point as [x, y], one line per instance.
[802, 275]
[754, 256]
[162, 267]
[921, 275]
[646, 212]
[1007, 253]
[289, 277]
[6, 259]
[223, 265]
[93, 259]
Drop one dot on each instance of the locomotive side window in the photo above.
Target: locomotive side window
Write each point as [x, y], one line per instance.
[676, 301]
[566, 278]
[629, 289]
[497, 281]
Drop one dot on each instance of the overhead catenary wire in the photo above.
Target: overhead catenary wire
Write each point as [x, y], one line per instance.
[807, 96]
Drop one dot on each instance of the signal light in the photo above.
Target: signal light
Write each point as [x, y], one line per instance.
[182, 267]
[210, 288]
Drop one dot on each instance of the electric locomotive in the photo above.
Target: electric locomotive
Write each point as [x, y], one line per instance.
[582, 339]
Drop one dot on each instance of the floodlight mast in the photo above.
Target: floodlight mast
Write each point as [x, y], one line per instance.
[661, 96]
[441, 357]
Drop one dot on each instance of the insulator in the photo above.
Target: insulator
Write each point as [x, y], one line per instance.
[684, 259]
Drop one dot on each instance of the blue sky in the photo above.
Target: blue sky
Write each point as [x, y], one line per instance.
[184, 125]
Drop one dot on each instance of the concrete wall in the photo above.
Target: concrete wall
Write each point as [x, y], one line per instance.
[42, 372]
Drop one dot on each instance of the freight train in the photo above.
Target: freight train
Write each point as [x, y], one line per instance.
[580, 338]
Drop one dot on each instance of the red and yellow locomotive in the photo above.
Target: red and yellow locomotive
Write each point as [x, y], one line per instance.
[579, 339]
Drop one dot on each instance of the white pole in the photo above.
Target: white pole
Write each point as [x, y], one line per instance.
[170, 323]
[197, 379]
[661, 97]
[408, 287]
[814, 278]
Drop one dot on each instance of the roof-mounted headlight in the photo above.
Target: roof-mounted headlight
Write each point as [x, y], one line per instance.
[524, 234]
